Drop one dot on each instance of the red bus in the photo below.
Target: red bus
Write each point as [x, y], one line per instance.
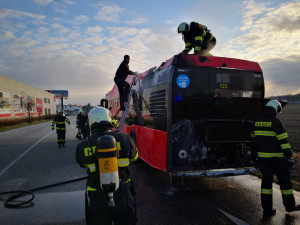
[192, 116]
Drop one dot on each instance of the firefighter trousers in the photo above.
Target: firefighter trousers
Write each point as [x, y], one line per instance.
[61, 136]
[278, 167]
[123, 213]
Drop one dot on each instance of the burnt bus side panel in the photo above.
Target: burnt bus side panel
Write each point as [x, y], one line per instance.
[150, 101]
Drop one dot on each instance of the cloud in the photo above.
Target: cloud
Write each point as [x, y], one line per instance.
[80, 19]
[43, 2]
[136, 21]
[68, 2]
[8, 35]
[10, 13]
[282, 75]
[268, 37]
[96, 29]
[109, 13]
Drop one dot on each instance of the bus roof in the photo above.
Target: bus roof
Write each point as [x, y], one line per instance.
[211, 61]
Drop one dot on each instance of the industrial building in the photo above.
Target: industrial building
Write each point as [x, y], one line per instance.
[15, 96]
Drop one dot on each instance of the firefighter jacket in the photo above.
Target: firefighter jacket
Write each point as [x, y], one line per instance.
[85, 157]
[197, 37]
[60, 123]
[81, 121]
[271, 137]
[123, 71]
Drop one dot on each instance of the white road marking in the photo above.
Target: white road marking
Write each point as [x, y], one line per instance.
[20, 156]
[233, 218]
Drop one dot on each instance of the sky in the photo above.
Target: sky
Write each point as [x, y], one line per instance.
[77, 45]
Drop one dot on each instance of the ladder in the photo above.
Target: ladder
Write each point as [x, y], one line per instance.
[122, 120]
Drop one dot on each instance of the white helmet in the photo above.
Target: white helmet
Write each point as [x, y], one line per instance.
[99, 114]
[275, 105]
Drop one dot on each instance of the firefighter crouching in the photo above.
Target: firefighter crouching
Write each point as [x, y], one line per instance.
[275, 156]
[82, 125]
[98, 210]
[60, 121]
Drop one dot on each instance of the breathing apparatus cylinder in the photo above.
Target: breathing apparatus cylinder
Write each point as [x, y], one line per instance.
[107, 158]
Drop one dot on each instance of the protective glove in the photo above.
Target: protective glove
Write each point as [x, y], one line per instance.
[290, 162]
[52, 128]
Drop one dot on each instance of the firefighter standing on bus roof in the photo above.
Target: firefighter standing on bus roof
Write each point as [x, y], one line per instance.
[60, 121]
[275, 156]
[121, 75]
[98, 211]
[196, 36]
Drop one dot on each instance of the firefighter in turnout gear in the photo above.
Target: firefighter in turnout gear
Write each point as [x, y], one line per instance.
[196, 36]
[82, 125]
[275, 157]
[97, 209]
[60, 121]
[79, 120]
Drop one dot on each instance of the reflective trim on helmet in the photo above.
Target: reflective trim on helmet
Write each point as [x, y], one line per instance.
[282, 136]
[285, 146]
[287, 192]
[123, 162]
[266, 191]
[270, 155]
[264, 133]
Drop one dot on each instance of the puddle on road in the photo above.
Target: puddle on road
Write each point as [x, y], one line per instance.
[48, 208]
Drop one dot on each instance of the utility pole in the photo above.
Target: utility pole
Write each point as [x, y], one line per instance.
[62, 103]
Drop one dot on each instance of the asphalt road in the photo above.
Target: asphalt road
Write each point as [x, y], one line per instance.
[29, 158]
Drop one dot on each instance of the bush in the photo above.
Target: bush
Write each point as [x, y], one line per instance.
[14, 121]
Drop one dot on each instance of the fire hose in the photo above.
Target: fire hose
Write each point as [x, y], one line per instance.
[10, 201]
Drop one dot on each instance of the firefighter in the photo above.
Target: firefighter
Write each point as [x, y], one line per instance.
[79, 120]
[85, 128]
[196, 36]
[275, 157]
[82, 125]
[97, 210]
[60, 121]
[121, 75]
